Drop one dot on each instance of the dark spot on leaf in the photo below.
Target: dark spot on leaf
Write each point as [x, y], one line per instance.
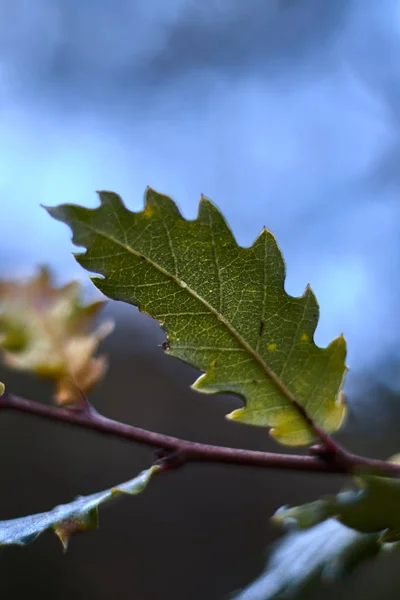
[261, 328]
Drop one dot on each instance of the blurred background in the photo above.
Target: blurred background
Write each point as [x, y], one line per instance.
[284, 112]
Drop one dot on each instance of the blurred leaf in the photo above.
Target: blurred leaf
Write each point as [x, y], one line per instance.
[223, 307]
[373, 508]
[47, 331]
[67, 519]
[300, 560]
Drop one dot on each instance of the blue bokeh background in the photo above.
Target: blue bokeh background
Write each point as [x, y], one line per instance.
[284, 112]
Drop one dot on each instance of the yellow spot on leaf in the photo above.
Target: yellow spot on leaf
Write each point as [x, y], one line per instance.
[271, 347]
[304, 337]
[148, 211]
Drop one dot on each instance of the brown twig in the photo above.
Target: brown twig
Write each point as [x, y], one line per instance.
[187, 451]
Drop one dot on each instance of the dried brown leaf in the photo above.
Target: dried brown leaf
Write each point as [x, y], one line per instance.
[48, 331]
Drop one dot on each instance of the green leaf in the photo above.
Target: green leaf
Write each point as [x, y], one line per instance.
[302, 559]
[373, 508]
[341, 532]
[67, 519]
[223, 307]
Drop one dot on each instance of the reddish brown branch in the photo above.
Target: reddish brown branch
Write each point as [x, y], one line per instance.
[193, 451]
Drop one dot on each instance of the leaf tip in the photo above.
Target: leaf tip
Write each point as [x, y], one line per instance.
[208, 210]
[78, 256]
[282, 519]
[53, 211]
[97, 280]
[238, 415]
[303, 516]
[200, 383]
[339, 346]
[274, 433]
[308, 293]
[63, 537]
[205, 204]
[110, 199]
[64, 530]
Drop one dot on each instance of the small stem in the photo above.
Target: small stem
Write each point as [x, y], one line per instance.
[328, 444]
[186, 451]
[83, 406]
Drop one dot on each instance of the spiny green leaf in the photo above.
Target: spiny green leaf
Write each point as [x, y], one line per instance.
[302, 559]
[223, 307]
[67, 519]
[373, 508]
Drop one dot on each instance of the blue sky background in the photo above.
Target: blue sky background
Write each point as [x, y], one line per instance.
[284, 112]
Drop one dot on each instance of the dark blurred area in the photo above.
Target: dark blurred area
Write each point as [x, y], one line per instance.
[199, 532]
[286, 113]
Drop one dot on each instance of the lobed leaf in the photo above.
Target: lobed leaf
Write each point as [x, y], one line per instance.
[223, 306]
[49, 331]
[67, 519]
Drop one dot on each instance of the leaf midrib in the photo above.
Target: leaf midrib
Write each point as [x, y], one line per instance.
[267, 370]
